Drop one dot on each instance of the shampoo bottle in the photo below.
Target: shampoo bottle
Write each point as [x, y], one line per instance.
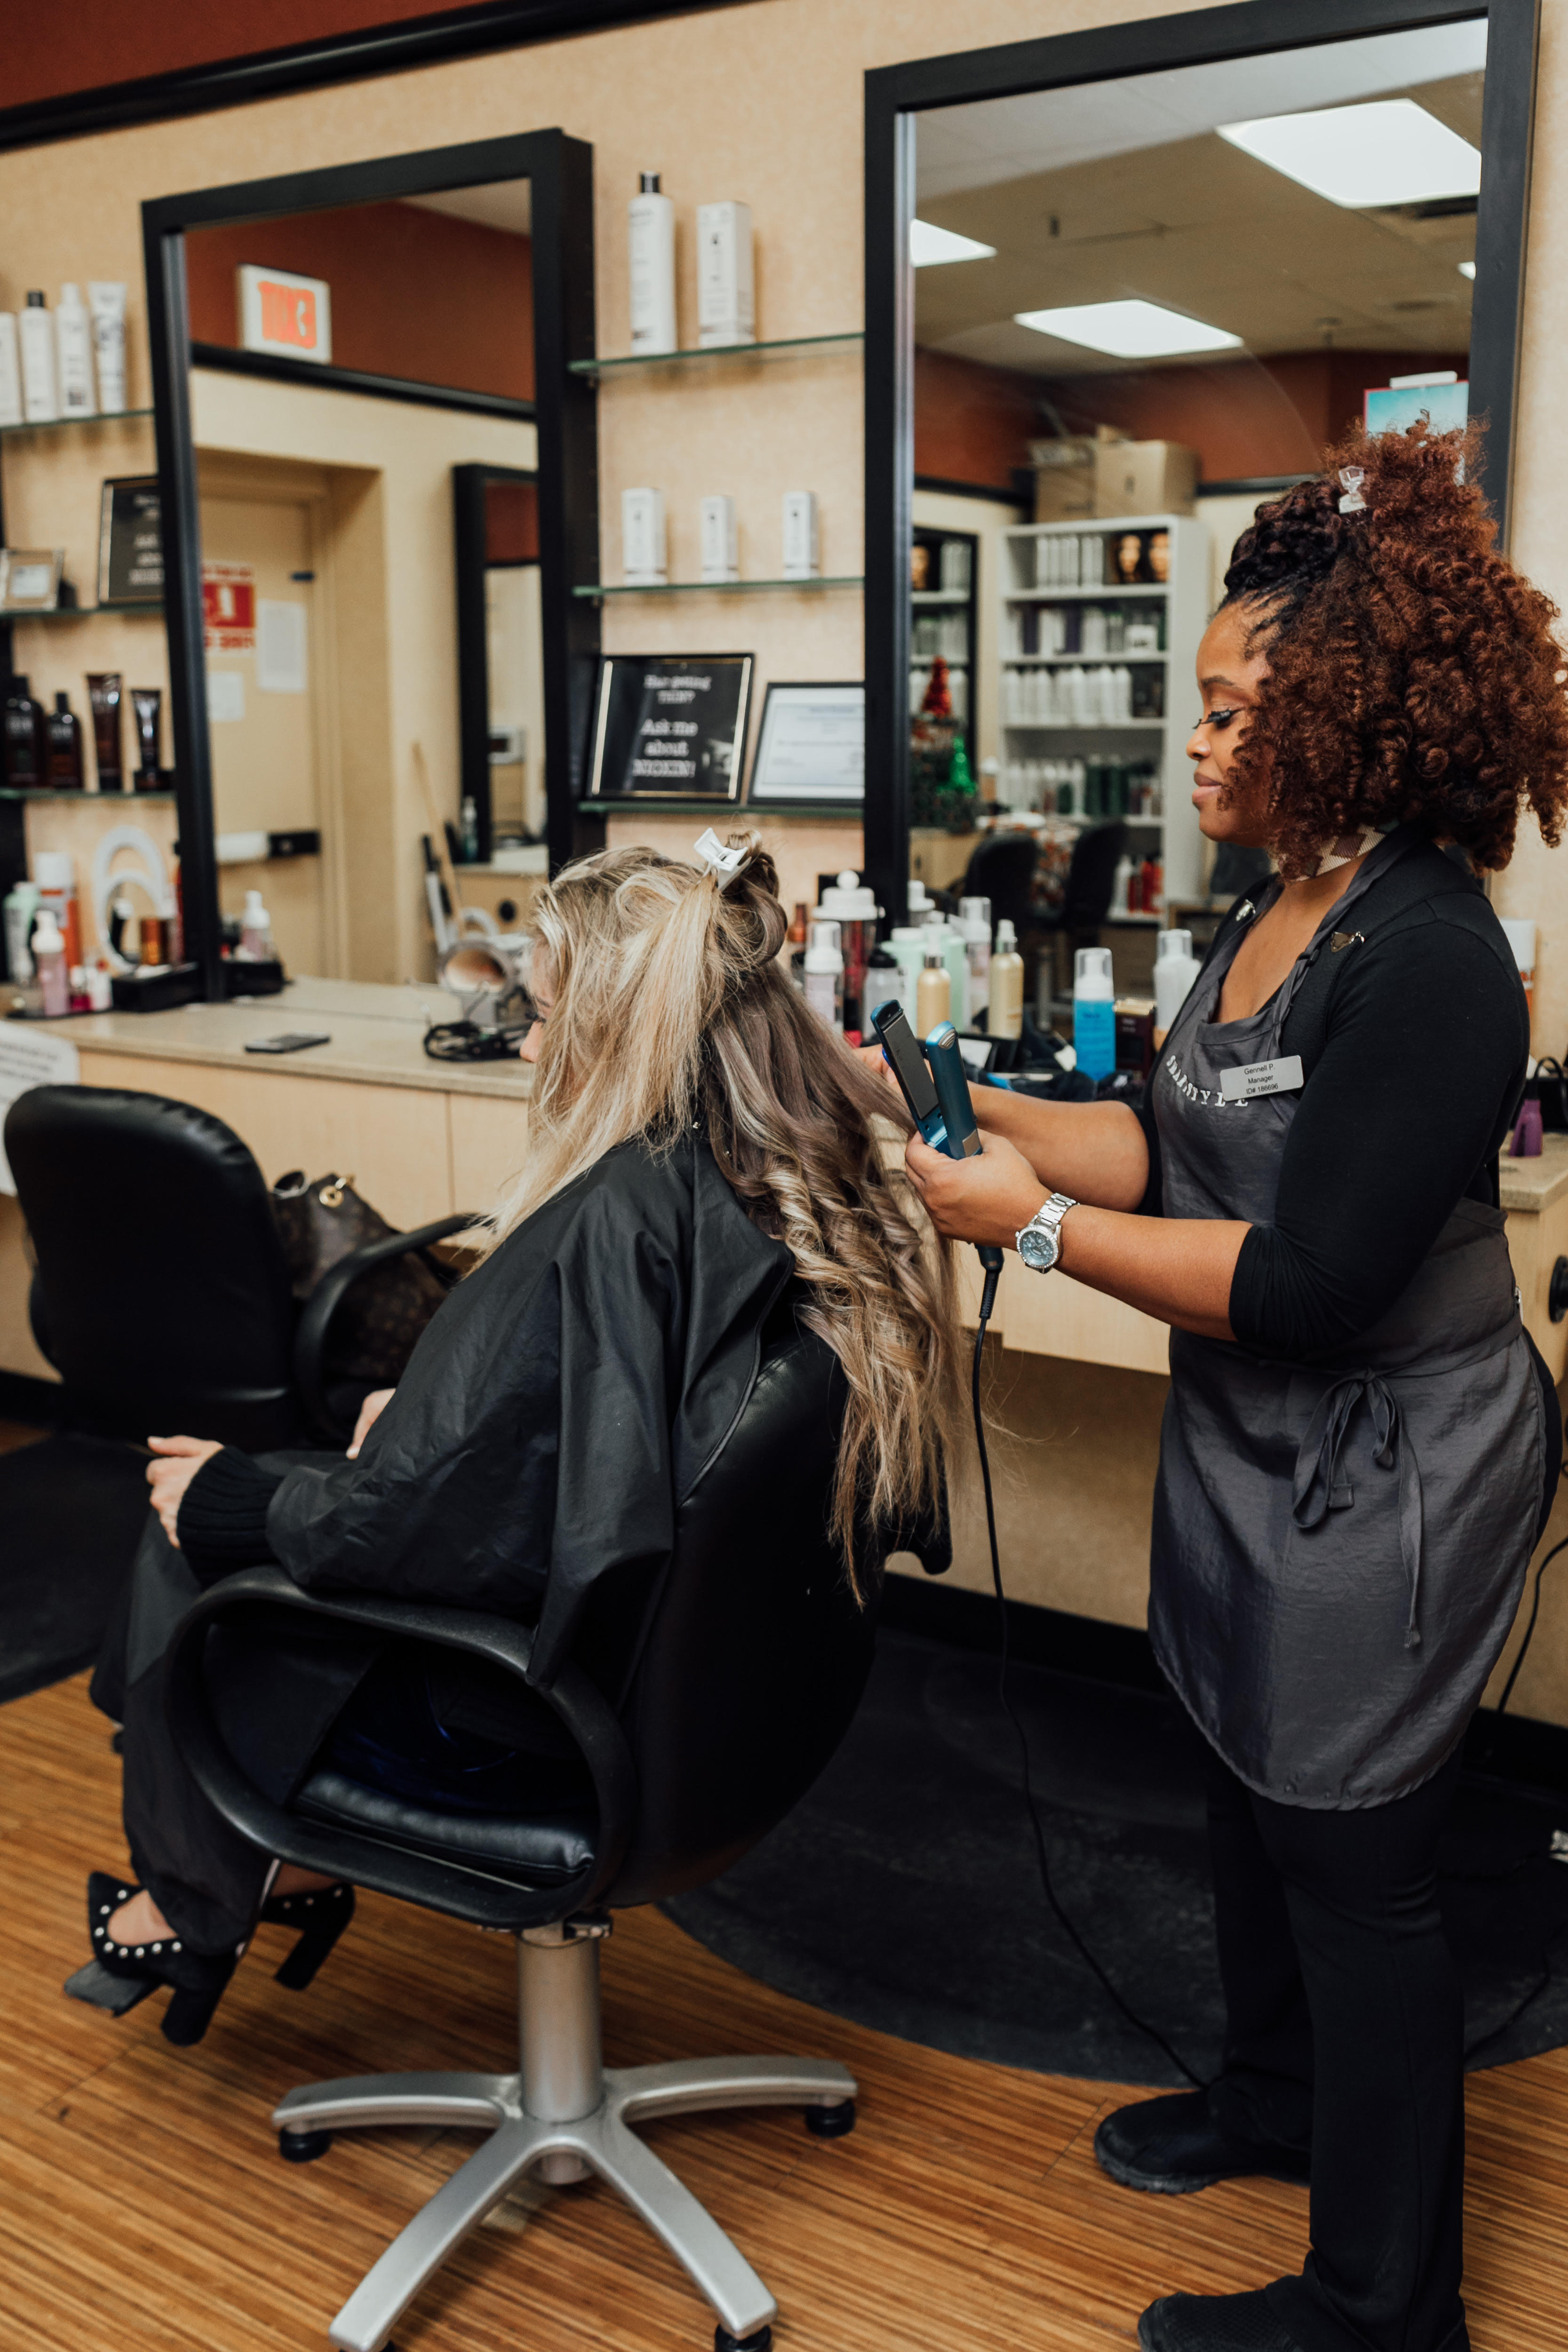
[1094, 1013]
[21, 907]
[906, 945]
[974, 922]
[53, 871]
[1005, 1014]
[1175, 968]
[106, 302]
[934, 995]
[50, 960]
[10, 370]
[726, 310]
[824, 975]
[63, 729]
[652, 255]
[36, 331]
[27, 751]
[255, 932]
[73, 349]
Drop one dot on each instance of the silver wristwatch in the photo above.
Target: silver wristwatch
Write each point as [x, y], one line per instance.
[1040, 1243]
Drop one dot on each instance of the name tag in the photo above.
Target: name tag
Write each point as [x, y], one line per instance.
[1255, 1079]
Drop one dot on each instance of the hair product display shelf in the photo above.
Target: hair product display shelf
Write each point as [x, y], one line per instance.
[53, 423]
[716, 587]
[758, 812]
[74, 792]
[1060, 614]
[789, 347]
[80, 612]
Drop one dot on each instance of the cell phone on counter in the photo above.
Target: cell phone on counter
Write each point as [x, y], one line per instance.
[910, 1066]
[290, 1041]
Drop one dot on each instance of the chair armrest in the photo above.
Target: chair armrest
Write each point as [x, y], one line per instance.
[316, 1318]
[456, 1885]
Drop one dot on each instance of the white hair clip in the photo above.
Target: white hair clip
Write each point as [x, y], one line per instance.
[712, 852]
[1352, 476]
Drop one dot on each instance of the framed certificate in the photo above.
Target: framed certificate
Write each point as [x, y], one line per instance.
[811, 747]
[131, 542]
[670, 727]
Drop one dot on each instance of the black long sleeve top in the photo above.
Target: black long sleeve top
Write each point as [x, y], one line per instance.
[1401, 1117]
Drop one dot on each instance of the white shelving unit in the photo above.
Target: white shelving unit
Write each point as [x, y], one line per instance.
[1177, 605]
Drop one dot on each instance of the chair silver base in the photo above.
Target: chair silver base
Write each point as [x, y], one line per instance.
[565, 2116]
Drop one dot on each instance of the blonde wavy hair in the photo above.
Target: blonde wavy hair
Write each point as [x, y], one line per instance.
[671, 1009]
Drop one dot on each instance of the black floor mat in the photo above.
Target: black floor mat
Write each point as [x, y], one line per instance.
[71, 1514]
[903, 1893]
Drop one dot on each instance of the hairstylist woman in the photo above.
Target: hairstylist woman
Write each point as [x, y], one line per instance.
[1357, 1439]
[701, 1157]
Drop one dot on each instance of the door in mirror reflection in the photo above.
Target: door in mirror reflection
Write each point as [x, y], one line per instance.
[1141, 306]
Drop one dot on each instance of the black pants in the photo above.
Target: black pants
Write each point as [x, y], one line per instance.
[1345, 2036]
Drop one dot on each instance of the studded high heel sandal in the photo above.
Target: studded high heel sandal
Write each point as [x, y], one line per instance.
[321, 1916]
[197, 1980]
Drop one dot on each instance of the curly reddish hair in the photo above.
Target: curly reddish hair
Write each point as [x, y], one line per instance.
[1413, 673]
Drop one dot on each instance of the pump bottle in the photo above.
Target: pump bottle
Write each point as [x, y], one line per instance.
[50, 960]
[1094, 1013]
[1005, 1017]
[1175, 968]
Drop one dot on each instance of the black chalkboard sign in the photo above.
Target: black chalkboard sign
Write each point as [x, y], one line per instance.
[670, 727]
[131, 542]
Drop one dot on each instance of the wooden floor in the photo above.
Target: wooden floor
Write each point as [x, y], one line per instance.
[143, 2206]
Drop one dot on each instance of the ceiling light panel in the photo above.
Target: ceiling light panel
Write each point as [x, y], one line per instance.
[1391, 152]
[1128, 331]
[930, 247]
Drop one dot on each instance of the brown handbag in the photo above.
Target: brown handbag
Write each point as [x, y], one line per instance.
[374, 1330]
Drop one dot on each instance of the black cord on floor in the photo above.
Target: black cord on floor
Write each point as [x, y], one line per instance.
[1138, 2024]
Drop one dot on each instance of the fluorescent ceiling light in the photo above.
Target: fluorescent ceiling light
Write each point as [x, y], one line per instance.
[1466, 269]
[930, 245]
[1128, 331]
[1391, 152]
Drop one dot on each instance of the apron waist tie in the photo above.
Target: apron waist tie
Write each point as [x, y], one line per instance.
[1320, 1485]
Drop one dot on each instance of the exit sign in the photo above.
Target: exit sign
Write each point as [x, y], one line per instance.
[289, 316]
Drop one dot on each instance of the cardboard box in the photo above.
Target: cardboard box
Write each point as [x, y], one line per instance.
[1064, 480]
[1144, 477]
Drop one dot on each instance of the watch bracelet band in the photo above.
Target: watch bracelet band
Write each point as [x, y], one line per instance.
[1047, 1219]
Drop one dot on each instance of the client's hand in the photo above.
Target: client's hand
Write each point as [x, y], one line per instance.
[877, 1065]
[988, 1198]
[169, 1478]
[369, 1411]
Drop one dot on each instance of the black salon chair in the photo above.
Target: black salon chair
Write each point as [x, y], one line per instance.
[160, 1292]
[1003, 871]
[698, 1716]
[1086, 895]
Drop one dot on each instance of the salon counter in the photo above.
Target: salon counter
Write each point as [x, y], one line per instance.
[421, 1138]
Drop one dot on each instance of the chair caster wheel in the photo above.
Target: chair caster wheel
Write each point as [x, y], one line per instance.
[759, 2341]
[831, 2123]
[303, 2148]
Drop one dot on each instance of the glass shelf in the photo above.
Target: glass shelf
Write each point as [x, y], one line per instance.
[939, 597]
[93, 800]
[1080, 726]
[720, 587]
[1072, 595]
[55, 423]
[791, 347]
[755, 813]
[80, 612]
[1064, 661]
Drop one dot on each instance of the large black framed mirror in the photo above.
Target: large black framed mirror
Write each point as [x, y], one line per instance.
[1120, 286]
[314, 597]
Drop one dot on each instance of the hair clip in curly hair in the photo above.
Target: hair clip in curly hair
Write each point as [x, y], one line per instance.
[1352, 476]
[721, 862]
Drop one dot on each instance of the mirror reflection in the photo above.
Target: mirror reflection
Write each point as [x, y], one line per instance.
[1141, 307]
[350, 368]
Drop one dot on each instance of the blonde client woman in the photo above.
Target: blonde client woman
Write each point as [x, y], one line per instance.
[701, 1158]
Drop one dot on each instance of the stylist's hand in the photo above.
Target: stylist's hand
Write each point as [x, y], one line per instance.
[988, 1198]
[877, 1065]
[183, 1457]
[370, 1412]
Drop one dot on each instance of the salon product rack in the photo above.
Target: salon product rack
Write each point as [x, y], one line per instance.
[785, 347]
[1182, 600]
[942, 605]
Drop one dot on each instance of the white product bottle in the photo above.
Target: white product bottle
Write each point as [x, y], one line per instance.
[1175, 968]
[726, 304]
[720, 541]
[10, 370]
[35, 332]
[21, 907]
[49, 960]
[106, 301]
[824, 975]
[974, 922]
[644, 543]
[254, 930]
[906, 945]
[1122, 886]
[1004, 1016]
[802, 558]
[1094, 1013]
[73, 349]
[651, 246]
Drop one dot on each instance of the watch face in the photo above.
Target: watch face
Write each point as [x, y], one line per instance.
[1038, 1250]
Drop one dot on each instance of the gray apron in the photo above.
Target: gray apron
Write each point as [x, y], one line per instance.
[1339, 1548]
